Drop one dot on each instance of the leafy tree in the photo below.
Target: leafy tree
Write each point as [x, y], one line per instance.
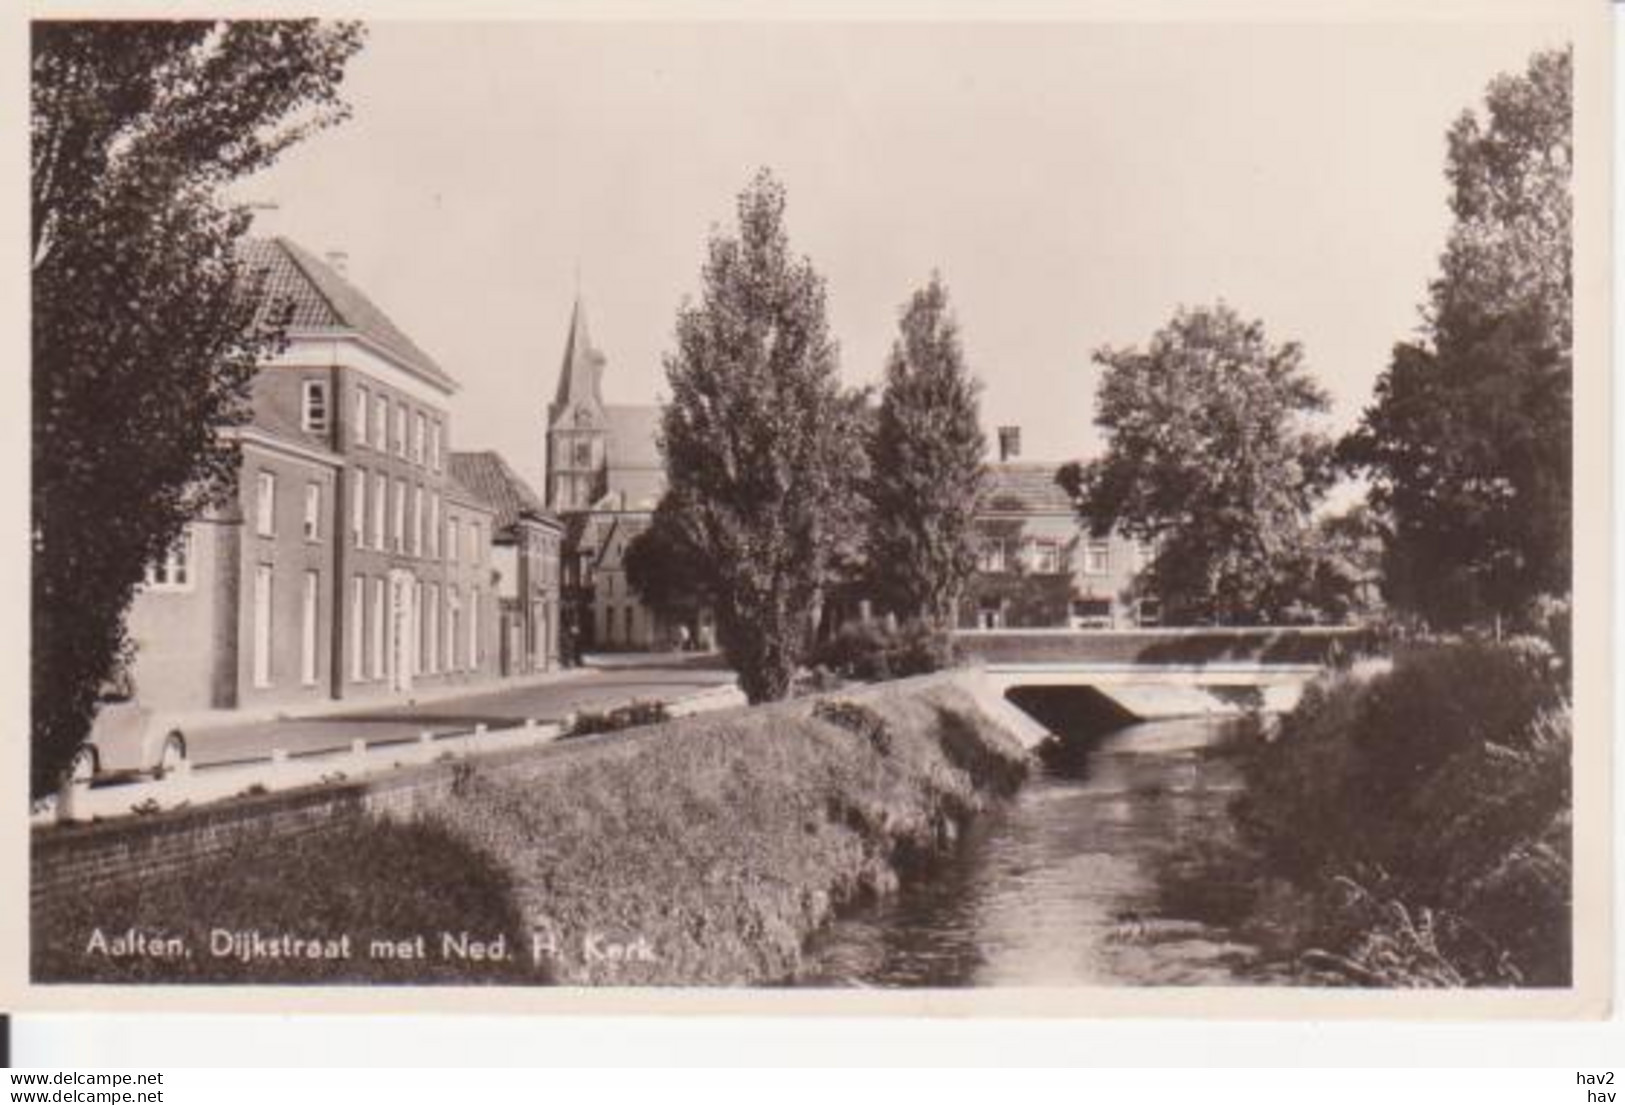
[1209, 462]
[926, 461]
[761, 446]
[1347, 564]
[662, 564]
[1467, 442]
[145, 328]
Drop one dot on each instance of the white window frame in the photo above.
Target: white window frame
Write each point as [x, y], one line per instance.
[313, 511]
[264, 606]
[417, 520]
[1046, 556]
[358, 629]
[434, 629]
[419, 432]
[435, 444]
[265, 503]
[452, 539]
[397, 532]
[1093, 566]
[473, 629]
[314, 416]
[380, 602]
[993, 556]
[424, 647]
[310, 605]
[380, 422]
[453, 616]
[358, 506]
[380, 505]
[358, 432]
[403, 417]
[434, 526]
[174, 572]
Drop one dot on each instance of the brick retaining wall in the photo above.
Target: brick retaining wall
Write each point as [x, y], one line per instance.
[68, 858]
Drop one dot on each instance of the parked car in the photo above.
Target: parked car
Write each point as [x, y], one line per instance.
[128, 738]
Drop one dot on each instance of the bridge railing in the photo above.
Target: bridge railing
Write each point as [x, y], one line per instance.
[1273, 645]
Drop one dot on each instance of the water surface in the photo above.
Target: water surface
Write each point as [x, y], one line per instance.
[1060, 888]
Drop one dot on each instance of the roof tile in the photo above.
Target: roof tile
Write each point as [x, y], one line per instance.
[325, 302]
[1025, 488]
[488, 477]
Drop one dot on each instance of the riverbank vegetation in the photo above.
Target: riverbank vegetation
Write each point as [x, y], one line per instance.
[701, 851]
[1408, 825]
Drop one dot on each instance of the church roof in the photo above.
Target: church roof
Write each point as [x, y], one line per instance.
[583, 364]
[488, 475]
[324, 302]
[1025, 488]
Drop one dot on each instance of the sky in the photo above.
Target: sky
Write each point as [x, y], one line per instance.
[1073, 183]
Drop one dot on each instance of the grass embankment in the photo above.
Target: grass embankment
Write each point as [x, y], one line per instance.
[703, 851]
[1407, 826]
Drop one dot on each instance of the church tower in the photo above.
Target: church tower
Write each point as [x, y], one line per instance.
[576, 424]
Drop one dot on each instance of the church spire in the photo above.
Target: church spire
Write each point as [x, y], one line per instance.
[578, 378]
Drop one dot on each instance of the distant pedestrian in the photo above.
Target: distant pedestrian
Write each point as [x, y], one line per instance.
[683, 641]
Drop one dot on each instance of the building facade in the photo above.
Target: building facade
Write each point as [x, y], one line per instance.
[526, 544]
[352, 564]
[604, 479]
[1038, 566]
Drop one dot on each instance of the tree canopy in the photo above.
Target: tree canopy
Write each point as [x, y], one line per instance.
[1210, 462]
[926, 465]
[1467, 440]
[146, 329]
[762, 448]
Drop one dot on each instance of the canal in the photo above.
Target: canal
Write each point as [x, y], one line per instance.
[1065, 886]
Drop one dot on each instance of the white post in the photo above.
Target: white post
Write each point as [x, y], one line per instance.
[68, 798]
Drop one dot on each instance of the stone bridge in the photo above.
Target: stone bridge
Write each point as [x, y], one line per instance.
[1064, 679]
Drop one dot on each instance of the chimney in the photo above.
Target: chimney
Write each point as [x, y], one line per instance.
[338, 261]
[1009, 443]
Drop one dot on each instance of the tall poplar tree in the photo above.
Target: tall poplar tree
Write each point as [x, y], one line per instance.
[1467, 442]
[760, 443]
[926, 464]
[146, 329]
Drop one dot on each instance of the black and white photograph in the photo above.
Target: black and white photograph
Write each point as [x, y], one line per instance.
[891, 507]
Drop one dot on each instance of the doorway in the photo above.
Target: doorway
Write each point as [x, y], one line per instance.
[402, 630]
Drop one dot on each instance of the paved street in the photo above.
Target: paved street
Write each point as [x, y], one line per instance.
[601, 689]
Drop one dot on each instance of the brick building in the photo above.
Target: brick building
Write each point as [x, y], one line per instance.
[352, 564]
[525, 549]
[1039, 567]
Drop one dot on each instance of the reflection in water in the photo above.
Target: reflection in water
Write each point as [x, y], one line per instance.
[1059, 888]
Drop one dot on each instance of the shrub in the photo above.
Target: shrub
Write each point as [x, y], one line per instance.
[871, 651]
[1442, 785]
[856, 718]
[630, 716]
